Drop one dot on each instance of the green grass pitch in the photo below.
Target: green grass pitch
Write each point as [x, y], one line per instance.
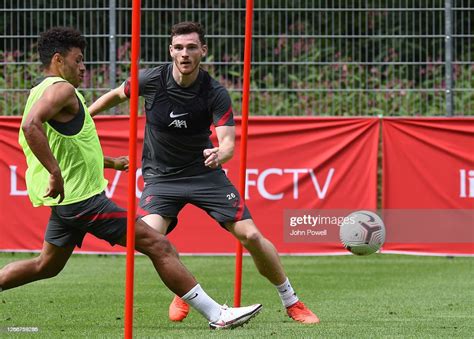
[358, 297]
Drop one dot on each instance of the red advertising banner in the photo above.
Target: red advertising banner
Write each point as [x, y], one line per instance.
[428, 184]
[293, 163]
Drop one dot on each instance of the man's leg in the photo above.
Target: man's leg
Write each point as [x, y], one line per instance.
[157, 222]
[179, 280]
[178, 310]
[163, 256]
[47, 265]
[268, 263]
[263, 253]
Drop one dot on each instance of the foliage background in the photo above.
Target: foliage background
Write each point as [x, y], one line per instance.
[344, 58]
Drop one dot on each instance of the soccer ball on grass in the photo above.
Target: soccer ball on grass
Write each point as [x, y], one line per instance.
[362, 232]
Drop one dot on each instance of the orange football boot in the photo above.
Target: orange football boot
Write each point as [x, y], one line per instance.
[178, 309]
[299, 312]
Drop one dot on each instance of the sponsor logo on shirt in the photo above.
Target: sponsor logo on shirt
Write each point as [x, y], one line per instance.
[178, 123]
[174, 115]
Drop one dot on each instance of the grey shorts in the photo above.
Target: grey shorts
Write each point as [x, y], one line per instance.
[97, 215]
[211, 191]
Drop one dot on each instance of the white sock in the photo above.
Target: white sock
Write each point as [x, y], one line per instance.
[287, 293]
[203, 303]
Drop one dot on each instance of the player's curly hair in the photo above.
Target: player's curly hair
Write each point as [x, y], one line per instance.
[187, 27]
[59, 40]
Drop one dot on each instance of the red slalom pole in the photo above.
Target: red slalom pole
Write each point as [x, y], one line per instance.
[132, 168]
[243, 140]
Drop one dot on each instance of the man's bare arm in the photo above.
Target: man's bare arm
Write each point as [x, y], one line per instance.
[225, 151]
[119, 163]
[108, 100]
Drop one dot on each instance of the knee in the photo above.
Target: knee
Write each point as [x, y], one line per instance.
[251, 238]
[163, 247]
[47, 268]
[159, 247]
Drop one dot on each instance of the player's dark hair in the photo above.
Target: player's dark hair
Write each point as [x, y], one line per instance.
[187, 27]
[59, 40]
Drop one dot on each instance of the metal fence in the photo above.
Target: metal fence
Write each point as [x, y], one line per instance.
[310, 57]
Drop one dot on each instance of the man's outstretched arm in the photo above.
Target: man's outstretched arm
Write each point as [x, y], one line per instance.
[108, 100]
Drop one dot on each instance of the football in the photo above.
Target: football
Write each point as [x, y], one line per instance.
[362, 232]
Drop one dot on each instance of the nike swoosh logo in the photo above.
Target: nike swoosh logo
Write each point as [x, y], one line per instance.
[172, 115]
[194, 296]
